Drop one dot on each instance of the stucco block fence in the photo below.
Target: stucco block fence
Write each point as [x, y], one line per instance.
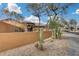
[16, 39]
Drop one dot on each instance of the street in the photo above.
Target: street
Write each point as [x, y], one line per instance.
[73, 41]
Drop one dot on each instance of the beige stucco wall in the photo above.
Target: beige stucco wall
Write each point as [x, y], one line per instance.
[15, 39]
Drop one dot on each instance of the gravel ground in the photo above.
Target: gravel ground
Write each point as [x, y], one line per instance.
[67, 46]
[55, 48]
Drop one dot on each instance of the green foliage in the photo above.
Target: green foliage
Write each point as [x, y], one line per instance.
[41, 35]
[73, 23]
[13, 14]
[53, 24]
[41, 38]
[56, 28]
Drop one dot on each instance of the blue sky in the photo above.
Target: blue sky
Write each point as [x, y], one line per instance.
[72, 12]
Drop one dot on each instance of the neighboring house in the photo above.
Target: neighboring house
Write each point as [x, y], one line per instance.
[36, 27]
[29, 26]
[33, 26]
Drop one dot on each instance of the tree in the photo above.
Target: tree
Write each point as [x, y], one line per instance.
[13, 16]
[73, 24]
[37, 10]
[6, 12]
[56, 10]
[64, 22]
[52, 9]
[55, 26]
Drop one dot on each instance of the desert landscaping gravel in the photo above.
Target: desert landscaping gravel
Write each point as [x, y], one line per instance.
[57, 47]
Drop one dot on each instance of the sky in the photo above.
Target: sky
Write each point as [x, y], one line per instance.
[21, 8]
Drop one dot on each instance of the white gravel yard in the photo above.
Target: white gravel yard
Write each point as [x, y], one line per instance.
[55, 48]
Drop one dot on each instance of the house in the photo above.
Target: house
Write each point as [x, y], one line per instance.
[10, 26]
